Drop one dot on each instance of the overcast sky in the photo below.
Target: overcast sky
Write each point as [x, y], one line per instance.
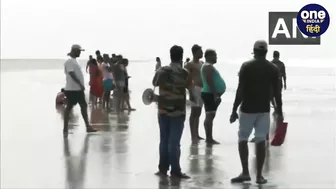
[143, 29]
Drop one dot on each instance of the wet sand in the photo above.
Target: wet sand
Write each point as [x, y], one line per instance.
[124, 154]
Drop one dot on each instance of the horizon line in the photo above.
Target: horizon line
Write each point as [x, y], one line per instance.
[144, 60]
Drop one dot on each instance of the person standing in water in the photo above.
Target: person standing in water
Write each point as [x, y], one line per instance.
[187, 60]
[126, 88]
[74, 89]
[88, 63]
[257, 78]
[96, 88]
[172, 81]
[158, 63]
[107, 81]
[98, 54]
[194, 67]
[213, 88]
[282, 70]
[119, 80]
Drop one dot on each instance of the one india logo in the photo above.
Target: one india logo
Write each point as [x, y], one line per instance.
[313, 20]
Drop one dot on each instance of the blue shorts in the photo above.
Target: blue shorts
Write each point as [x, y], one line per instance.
[259, 121]
[108, 84]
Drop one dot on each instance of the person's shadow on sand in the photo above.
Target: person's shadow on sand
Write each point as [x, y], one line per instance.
[75, 166]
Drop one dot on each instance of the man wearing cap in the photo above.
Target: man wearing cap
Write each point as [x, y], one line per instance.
[74, 89]
[257, 77]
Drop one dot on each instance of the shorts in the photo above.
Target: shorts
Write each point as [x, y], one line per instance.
[210, 103]
[259, 121]
[126, 89]
[198, 97]
[108, 84]
[74, 97]
[120, 85]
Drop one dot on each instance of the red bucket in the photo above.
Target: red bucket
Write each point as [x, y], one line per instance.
[280, 134]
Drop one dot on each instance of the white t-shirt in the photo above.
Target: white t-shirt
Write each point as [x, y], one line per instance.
[106, 73]
[72, 65]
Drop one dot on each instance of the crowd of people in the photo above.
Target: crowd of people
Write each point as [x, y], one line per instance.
[260, 81]
[109, 77]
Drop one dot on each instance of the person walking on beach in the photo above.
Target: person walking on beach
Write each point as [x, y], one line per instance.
[194, 68]
[213, 88]
[282, 77]
[257, 77]
[74, 89]
[158, 63]
[172, 81]
[282, 70]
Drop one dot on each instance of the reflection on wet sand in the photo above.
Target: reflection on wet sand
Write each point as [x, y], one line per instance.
[169, 183]
[75, 165]
[194, 166]
[203, 166]
[73, 118]
[99, 119]
[125, 153]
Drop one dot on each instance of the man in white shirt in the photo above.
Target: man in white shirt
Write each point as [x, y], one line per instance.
[74, 88]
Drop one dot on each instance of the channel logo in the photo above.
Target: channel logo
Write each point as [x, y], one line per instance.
[298, 28]
[313, 20]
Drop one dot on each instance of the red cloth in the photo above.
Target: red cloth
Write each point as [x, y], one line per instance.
[280, 134]
[96, 82]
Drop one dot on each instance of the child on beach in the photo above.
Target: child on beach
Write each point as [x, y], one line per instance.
[60, 98]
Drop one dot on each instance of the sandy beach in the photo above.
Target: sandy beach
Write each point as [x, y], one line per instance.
[124, 154]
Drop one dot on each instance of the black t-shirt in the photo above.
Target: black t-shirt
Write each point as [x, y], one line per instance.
[257, 79]
[281, 68]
